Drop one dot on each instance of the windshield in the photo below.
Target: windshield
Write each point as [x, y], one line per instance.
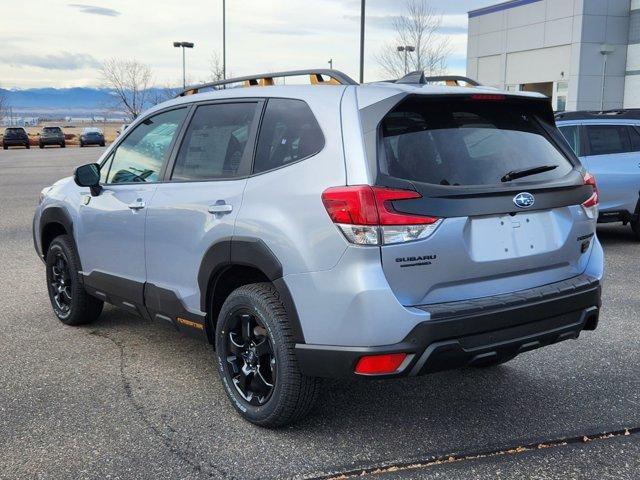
[466, 142]
[51, 130]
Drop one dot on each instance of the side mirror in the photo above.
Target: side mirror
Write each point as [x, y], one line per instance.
[88, 176]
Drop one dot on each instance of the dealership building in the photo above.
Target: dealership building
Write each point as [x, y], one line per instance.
[584, 54]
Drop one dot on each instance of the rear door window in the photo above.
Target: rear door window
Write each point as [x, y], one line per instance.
[215, 142]
[289, 133]
[634, 135]
[608, 139]
[464, 142]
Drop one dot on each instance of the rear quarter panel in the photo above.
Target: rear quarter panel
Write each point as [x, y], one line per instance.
[283, 207]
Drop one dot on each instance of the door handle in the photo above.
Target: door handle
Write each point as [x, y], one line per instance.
[137, 205]
[220, 208]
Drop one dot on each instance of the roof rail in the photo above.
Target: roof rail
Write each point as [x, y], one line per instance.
[418, 77]
[623, 113]
[266, 79]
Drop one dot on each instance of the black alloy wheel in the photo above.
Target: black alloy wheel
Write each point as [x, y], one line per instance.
[250, 359]
[60, 285]
[70, 301]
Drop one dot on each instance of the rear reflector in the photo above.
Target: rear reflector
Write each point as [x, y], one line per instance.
[380, 364]
[366, 215]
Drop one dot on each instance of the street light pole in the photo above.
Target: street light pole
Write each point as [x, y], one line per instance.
[605, 50]
[406, 49]
[224, 39]
[362, 2]
[330, 62]
[183, 45]
[184, 70]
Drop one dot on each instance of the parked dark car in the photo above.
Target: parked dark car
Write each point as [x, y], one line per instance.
[51, 136]
[91, 136]
[15, 137]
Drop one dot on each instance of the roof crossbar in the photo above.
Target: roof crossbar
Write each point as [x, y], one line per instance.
[336, 77]
[419, 78]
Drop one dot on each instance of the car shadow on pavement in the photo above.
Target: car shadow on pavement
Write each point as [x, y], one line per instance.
[612, 234]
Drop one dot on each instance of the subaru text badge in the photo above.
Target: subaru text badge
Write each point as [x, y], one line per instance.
[524, 200]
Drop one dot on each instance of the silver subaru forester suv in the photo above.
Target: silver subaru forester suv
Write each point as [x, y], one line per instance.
[333, 230]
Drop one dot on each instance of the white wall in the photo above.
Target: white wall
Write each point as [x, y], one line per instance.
[543, 65]
[557, 40]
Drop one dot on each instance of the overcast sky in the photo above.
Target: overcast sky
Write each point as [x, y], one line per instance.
[61, 44]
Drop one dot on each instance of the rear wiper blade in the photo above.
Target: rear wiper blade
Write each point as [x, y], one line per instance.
[514, 174]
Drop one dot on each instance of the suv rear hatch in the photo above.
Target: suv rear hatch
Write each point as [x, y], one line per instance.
[502, 188]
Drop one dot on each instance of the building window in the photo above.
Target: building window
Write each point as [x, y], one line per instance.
[634, 27]
[562, 91]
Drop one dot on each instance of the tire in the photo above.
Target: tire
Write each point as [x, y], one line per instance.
[5, 147]
[81, 145]
[63, 145]
[41, 146]
[102, 144]
[292, 395]
[72, 305]
[635, 227]
[28, 146]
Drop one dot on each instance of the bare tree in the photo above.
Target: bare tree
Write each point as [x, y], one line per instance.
[3, 106]
[162, 94]
[216, 71]
[420, 28]
[130, 81]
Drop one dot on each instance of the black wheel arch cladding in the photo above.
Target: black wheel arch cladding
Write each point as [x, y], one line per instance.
[55, 215]
[248, 252]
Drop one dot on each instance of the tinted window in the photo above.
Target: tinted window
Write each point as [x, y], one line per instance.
[215, 142]
[606, 139]
[14, 132]
[463, 142]
[52, 130]
[571, 134]
[289, 133]
[634, 135]
[140, 156]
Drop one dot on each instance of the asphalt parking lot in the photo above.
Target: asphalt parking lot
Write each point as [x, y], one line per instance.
[128, 398]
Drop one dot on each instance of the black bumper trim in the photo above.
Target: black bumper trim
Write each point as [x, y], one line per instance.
[475, 332]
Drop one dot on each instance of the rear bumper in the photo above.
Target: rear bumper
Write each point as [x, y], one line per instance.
[476, 331]
[93, 141]
[14, 142]
[51, 141]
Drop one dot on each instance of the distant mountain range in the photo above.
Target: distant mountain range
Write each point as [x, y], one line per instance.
[59, 102]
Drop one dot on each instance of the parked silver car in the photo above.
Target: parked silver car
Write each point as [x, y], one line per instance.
[333, 230]
[608, 144]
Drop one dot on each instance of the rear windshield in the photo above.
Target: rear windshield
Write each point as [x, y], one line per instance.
[51, 130]
[466, 142]
[9, 132]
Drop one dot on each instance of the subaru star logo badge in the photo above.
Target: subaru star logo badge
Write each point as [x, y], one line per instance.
[524, 200]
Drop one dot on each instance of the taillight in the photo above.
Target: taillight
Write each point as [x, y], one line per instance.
[380, 364]
[366, 216]
[591, 205]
